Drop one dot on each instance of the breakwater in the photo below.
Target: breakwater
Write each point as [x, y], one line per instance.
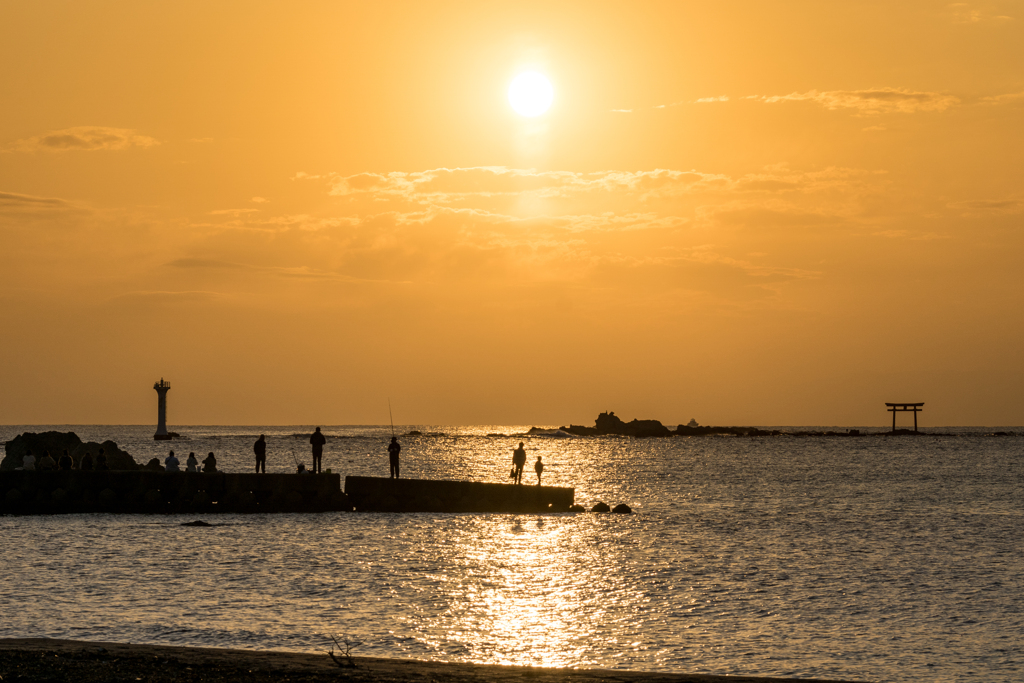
[377, 494]
[142, 491]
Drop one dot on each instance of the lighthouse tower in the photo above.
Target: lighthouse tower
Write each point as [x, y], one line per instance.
[162, 387]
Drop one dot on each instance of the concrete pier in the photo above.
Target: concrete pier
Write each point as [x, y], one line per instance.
[377, 494]
[142, 491]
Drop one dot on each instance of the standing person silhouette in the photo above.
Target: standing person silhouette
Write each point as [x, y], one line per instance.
[538, 467]
[519, 462]
[260, 449]
[394, 448]
[318, 440]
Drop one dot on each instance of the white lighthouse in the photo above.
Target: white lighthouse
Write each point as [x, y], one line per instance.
[162, 387]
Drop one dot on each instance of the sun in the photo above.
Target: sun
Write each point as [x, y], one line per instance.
[530, 94]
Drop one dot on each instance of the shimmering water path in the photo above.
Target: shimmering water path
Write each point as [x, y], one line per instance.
[876, 558]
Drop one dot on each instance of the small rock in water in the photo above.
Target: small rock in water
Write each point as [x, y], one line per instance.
[577, 508]
[198, 522]
[622, 509]
[600, 507]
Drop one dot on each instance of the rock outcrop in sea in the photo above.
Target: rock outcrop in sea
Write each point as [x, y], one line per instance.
[610, 423]
[56, 443]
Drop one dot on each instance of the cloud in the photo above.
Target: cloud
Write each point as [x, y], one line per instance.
[232, 212]
[990, 205]
[11, 200]
[877, 101]
[193, 296]
[448, 186]
[874, 101]
[1003, 99]
[967, 13]
[84, 138]
[301, 272]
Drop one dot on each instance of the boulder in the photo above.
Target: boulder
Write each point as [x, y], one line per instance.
[622, 509]
[56, 443]
[116, 458]
[601, 507]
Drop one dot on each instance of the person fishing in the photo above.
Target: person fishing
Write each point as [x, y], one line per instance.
[317, 440]
[518, 462]
[260, 449]
[394, 448]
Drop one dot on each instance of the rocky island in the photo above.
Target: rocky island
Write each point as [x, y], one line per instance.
[610, 424]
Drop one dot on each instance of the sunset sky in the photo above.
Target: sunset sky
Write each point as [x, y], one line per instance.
[781, 213]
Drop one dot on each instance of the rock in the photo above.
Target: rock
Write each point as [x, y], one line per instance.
[116, 458]
[107, 496]
[56, 443]
[610, 424]
[198, 522]
[154, 464]
[622, 509]
[577, 508]
[601, 507]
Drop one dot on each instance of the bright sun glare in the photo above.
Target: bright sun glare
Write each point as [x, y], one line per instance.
[530, 94]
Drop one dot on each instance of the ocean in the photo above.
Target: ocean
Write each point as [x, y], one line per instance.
[863, 558]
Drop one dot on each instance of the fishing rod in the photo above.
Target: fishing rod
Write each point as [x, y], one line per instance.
[392, 417]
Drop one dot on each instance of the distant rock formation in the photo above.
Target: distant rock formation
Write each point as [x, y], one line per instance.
[56, 443]
[610, 423]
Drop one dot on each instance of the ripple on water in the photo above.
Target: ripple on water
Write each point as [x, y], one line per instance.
[836, 558]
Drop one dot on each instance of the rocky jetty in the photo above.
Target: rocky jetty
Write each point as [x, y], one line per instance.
[56, 443]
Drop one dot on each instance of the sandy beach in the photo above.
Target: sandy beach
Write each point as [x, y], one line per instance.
[43, 659]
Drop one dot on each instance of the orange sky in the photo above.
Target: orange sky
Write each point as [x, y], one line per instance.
[745, 213]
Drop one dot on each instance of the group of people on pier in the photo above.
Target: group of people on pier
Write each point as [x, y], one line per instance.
[172, 464]
[317, 442]
[46, 463]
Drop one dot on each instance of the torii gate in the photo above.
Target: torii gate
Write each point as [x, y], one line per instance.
[904, 408]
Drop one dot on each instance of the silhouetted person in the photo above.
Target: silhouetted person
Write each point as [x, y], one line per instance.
[101, 461]
[171, 463]
[318, 440]
[260, 449]
[394, 448]
[210, 463]
[538, 467]
[28, 462]
[65, 462]
[46, 463]
[519, 462]
[86, 462]
[192, 464]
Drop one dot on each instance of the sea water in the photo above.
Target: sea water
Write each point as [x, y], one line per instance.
[863, 558]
